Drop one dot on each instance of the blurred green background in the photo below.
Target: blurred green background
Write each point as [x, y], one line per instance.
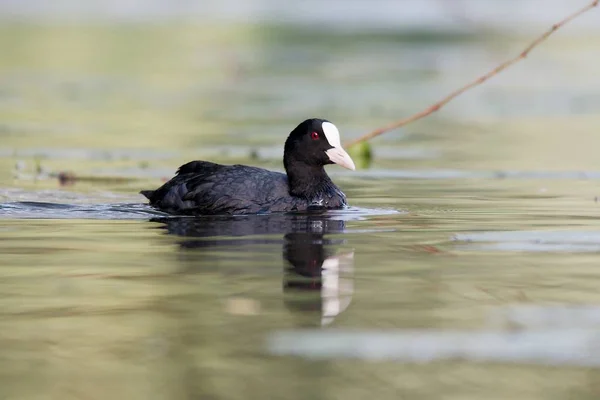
[110, 89]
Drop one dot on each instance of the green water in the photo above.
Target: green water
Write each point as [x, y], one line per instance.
[483, 208]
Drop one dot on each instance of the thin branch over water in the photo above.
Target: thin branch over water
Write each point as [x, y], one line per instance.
[436, 106]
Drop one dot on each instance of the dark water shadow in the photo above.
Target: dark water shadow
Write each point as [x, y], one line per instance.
[316, 279]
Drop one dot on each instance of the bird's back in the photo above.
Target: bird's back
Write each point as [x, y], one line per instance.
[206, 188]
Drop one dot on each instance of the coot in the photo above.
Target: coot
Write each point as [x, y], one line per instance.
[206, 188]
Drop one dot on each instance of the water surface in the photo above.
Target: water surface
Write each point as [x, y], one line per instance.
[467, 266]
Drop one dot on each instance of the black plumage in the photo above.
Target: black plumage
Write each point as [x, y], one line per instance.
[206, 188]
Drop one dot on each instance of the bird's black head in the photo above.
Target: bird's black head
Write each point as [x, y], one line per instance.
[315, 143]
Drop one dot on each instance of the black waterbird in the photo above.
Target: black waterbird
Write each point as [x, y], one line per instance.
[206, 188]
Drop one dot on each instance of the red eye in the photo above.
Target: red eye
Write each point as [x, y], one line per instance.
[314, 135]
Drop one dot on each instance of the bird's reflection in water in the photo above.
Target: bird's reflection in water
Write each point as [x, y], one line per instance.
[311, 265]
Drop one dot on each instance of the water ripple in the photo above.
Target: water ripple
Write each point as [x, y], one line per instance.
[45, 210]
[50, 210]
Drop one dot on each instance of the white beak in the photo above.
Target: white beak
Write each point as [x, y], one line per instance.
[340, 157]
